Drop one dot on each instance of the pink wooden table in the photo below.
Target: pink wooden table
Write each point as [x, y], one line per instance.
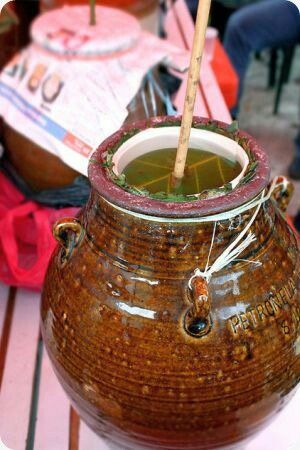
[179, 27]
[35, 414]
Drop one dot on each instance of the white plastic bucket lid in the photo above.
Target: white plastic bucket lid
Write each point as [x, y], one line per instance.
[167, 137]
[67, 31]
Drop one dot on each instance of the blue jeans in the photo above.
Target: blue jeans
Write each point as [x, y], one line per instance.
[262, 25]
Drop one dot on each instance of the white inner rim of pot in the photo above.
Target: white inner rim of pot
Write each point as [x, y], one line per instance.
[167, 137]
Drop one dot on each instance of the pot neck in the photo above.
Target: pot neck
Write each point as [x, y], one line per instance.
[169, 248]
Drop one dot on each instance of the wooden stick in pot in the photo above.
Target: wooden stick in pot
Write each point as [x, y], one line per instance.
[191, 91]
[92, 12]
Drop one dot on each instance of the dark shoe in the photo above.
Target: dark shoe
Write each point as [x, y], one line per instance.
[297, 221]
[294, 169]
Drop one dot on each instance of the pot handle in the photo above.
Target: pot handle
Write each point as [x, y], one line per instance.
[197, 321]
[69, 234]
[283, 193]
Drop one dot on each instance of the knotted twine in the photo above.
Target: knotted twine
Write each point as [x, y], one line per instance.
[231, 253]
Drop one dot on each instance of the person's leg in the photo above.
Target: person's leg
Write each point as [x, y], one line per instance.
[192, 5]
[294, 168]
[297, 221]
[220, 15]
[297, 142]
[266, 24]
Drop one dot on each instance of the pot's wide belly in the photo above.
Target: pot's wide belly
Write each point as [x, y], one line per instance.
[118, 345]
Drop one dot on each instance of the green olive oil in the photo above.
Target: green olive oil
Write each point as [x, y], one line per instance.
[204, 171]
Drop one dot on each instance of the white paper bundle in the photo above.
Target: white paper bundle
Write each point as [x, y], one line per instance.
[70, 88]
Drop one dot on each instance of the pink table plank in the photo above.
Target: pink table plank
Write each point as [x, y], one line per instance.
[3, 303]
[16, 391]
[182, 14]
[200, 109]
[213, 95]
[88, 440]
[52, 427]
[173, 30]
[179, 27]
[284, 432]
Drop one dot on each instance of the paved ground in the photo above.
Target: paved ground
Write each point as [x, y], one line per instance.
[275, 133]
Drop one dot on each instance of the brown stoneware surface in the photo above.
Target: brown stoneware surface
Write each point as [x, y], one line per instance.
[42, 170]
[39, 168]
[116, 313]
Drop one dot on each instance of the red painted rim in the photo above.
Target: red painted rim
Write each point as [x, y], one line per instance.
[105, 187]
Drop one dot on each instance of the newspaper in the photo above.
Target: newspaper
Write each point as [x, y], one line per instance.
[70, 96]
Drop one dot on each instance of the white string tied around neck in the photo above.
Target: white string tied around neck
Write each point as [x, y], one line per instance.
[237, 247]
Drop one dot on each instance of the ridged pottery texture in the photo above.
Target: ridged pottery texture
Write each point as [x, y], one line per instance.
[149, 360]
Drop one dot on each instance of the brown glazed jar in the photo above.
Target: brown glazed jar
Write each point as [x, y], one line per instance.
[43, 170]
[151, 355]
[39, 168]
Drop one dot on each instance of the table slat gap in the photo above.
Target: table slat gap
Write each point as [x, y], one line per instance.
[205, 101]
[5, 333]
[4, 295]
[74, 430]
[18, 374]
[53, 416]
[35, 396]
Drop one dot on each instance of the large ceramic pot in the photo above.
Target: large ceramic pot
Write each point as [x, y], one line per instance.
[35, 165]
[151, 354]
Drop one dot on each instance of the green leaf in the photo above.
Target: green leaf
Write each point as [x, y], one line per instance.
[209, 127]
[121, 180]
[233, 127]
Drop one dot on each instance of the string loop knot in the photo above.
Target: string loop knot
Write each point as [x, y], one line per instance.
[233, 251]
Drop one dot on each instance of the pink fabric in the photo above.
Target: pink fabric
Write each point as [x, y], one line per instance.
[26, 241]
